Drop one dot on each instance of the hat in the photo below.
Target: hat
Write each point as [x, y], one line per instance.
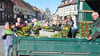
[69, 17]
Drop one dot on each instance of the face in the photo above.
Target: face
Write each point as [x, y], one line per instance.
[95, 16]
[7, 25]
[35, 20]
[13, 26]
[47, 22]
[55, 22]
[18, 20]
[69, 19]
[26, 22]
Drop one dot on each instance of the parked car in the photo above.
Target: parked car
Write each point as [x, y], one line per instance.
[29, 19]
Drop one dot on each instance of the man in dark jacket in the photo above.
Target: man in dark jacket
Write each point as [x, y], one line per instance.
[95, 26]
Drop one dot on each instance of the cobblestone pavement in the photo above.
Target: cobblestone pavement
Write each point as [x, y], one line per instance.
[1, 42]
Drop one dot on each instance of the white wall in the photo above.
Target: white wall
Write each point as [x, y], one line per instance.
[67, 10]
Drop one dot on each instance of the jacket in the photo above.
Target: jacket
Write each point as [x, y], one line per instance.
[8, 40]
[95, 26]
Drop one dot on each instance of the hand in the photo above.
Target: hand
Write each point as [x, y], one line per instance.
[4, 34]
[90, 38]
[17, 24]
[34, 26]
[13, 26]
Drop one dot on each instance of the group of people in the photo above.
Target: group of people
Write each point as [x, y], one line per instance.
[11, 28]
[8, 34]
[68, 22]
[95, 26]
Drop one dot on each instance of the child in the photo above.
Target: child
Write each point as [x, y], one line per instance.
[8, 40]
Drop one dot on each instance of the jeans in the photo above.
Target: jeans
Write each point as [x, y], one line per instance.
[73, 31]
[7, 50]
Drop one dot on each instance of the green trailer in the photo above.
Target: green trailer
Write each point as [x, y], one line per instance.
[35, 46]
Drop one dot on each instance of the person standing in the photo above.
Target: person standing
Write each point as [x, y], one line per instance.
[70, 23]
[75, 24]
[32, 23]
[65, 21]
[36, 23]
[26, 23]
[7, 36]
[19, 23]
[47, 23]
[95, 26]
[56, 26]
[36, 26]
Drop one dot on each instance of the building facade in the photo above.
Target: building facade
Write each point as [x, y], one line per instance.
[67, 7]
[11, 9]
[25, 10]
[70, 7]
[39, 14]
[6, 11]
[21, 9]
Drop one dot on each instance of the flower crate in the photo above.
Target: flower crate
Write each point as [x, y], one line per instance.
[84, 29]
[63, 33]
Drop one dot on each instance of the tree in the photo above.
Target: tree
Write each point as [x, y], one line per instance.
[48, 13]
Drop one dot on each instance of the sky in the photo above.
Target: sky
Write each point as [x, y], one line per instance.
[42, 4]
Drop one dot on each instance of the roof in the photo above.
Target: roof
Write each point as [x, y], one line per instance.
[65, 4]
[27, 5]
[68, 3]
[35, 9]
[19, 3]
[42, 12]
[63, 0]
[38, 10]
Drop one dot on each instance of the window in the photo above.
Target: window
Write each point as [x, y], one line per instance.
[6, 17]
[0, 16]
[15, 9]
[5, 5]
[8, 7]
[2, 4]
[3, 16]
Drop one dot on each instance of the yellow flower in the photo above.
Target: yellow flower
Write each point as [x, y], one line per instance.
[24, 28]
[8, 28]
[65, 28]
[46, 27]
[25, 34]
